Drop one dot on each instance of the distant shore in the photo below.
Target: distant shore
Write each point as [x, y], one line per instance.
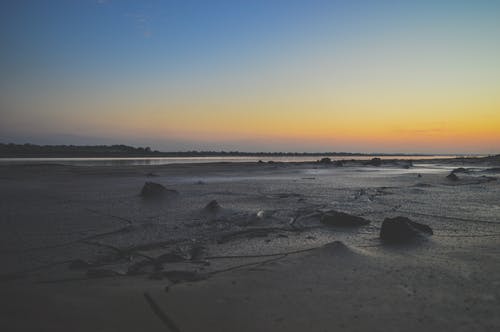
[11, 150]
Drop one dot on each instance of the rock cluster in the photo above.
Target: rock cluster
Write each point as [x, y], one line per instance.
[402, 230]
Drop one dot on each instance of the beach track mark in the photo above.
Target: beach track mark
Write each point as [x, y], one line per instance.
[161, 314]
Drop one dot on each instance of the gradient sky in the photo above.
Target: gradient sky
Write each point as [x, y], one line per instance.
[365, 76]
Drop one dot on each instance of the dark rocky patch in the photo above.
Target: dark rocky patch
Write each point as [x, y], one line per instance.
[374, 162]
[338, 163]
[196, 252]
[213, 207]
[452, 177]
[402, 230]
[492, 170]
[336, 218]
[155, 190]
[325, 160]
[460, 170]
[488, 178]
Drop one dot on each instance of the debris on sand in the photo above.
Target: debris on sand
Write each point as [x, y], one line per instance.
[336, 218]
[193, 253]
[155, 190]
[452, 177]
[248, 233]
[402, 229]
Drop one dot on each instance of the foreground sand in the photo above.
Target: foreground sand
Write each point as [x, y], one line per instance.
[263, 262]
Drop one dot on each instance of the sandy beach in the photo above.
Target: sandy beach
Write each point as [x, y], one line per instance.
[247, 247]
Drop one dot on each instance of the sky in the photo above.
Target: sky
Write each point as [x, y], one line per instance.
[272, 75]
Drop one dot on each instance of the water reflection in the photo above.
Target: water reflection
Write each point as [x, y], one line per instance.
[188, 160]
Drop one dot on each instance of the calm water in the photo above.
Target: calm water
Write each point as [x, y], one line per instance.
[187, 160]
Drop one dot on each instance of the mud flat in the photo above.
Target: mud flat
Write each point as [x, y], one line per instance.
[250, 247]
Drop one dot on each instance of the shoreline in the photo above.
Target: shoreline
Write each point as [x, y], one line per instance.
[149, 162]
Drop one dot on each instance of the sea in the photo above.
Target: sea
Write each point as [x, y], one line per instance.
[137, 161]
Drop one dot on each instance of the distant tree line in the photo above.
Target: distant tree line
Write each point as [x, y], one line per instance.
[33, 150]
[12, 150]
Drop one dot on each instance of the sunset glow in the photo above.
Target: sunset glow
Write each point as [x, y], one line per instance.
[367, 76]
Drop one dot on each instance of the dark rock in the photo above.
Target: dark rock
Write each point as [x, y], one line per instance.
[402, 229]
[419, 175]
[375, 162]
[213, 207]
[150, 174]
[325, 161]
[155, 190]
[338, 163]
[460, 170]
[260, 161]
[335, 218]
[452, 176]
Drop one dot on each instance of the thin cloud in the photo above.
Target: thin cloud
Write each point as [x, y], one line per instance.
[142, 22]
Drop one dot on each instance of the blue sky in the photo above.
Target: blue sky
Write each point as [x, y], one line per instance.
[70, 67]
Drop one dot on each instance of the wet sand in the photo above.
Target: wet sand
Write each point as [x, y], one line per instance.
[81, 250]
